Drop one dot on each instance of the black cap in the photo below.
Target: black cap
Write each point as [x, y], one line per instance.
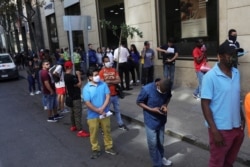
[225, 48]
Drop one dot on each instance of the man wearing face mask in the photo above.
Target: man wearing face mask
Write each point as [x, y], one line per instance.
[232, 41]
[199, 59]
[111, 77]
[220, 101]
[96, 96]
[153, 99]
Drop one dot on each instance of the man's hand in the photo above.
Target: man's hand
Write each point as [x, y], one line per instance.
[157, 110]
[218, 138]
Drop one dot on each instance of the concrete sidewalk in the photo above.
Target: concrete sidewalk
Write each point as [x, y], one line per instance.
[185, 119]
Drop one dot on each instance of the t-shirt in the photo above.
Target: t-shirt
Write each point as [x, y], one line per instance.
[148, 62]
[166, 56]
[46, 77]
[109, 74]
[61, 83]
[152, 98]
[197, 53]
[96, 95]
[73, 91]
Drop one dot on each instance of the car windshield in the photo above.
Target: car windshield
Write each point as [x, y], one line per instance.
[5, 59]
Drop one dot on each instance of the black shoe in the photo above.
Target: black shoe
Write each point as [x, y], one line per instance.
[129, 89]
[95, 154]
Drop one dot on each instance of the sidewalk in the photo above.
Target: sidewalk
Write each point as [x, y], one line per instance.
[185, 119]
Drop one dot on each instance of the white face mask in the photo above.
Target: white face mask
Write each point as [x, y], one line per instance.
[108, 64]
[96, 78]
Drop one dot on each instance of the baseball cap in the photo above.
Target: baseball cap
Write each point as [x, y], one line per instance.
[226, 48]
[68, 64]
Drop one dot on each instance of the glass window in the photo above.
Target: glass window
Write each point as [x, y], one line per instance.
[186, 21]
[52, 32]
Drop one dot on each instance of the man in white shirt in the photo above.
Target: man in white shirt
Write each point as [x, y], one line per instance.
[122, 60]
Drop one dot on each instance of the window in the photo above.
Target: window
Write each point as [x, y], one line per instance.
[186, 21]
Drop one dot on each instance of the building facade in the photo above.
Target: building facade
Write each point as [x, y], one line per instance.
[185, 20]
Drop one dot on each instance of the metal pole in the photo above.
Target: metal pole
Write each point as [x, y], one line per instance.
[71, 44]
[86, 41]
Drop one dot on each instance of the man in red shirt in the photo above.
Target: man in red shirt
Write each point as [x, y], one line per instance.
[49, 93]
[111, 77]
[199, 59]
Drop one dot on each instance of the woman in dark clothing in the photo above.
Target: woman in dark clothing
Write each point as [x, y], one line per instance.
[31, 77]
[134, 63]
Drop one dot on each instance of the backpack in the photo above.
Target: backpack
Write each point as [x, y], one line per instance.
[55, 76]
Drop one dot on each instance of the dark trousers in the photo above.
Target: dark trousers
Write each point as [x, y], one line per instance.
[135, 67]
[124, 69]
[147, 75]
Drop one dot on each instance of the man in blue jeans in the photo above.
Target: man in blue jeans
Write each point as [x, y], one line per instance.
[169, 55]
[154, 98]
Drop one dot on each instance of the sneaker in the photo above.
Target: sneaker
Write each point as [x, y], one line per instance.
[38, 92]
[32, 94]
[83, 133]
[45, 107]
[73, 128]
[123, 127]
[65, 111]
[166, 162]
[58, 116]
[95, 154]
[196, 96]
[51, 119]
[111, 151]
[138, 81]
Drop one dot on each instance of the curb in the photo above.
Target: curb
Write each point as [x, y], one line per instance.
[186, 138]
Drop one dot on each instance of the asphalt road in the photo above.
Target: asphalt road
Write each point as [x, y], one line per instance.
[28, 140]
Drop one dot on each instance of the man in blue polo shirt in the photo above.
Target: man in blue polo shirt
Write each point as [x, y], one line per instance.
[154, 99]
[220, 100]
[96, 96]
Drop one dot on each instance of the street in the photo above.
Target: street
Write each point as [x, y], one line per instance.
[28, 140]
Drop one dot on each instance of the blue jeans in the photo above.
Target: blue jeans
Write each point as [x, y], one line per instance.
[199, 75]
[115, 101]
[155, 139]
[51, 101]
[168, 71]
[31, 81]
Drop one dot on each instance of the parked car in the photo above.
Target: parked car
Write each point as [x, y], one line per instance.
[8, 68]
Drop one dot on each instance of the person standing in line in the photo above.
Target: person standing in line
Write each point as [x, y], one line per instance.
[110, 55]
[77, 59]
[60, 86]
[96, 96]
[199, 60]
[153, 99]
[135, 58]
[123, 64]
[31, 77]
[66, 55]
[37, 65]
[170, 54]
[111, 77]
[220, 101]
[148, 55]
[232, 41]
[93, 62]
[99, 57]
[73, 86]
[49, 93]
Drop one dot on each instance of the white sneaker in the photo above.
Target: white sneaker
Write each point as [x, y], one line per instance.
[38, 92]
[64, 111]
[166, 162]
[131, 82]
[45, 108]
[32, 94]
[138, 81]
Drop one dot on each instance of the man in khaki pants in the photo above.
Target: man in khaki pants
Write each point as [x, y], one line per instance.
[96, 96]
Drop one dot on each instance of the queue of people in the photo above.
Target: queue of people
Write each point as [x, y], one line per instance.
[223, 114]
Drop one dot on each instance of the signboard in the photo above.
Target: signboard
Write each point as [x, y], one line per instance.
[193, 18]
[49, 8]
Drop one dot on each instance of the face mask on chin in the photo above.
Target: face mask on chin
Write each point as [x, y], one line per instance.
[159, 90]
[96, 79]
